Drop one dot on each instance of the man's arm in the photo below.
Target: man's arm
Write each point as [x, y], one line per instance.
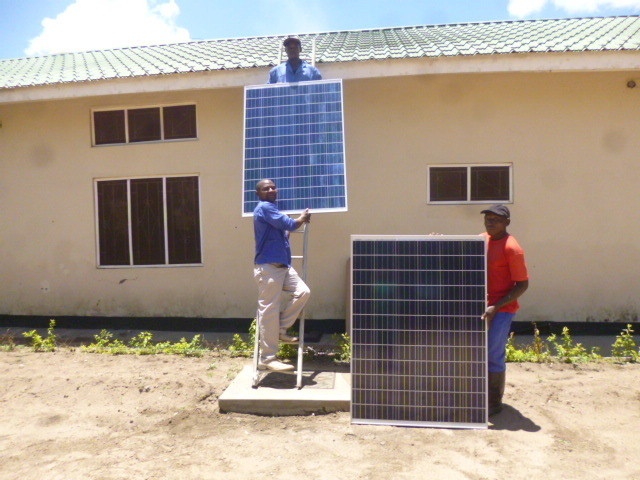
[518, 289]
[280, 221]
[274, 74]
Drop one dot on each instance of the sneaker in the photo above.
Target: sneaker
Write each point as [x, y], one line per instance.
[275, 366]
[284, 338]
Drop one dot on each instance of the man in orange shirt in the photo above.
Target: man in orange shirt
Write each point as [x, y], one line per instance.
[507, 279]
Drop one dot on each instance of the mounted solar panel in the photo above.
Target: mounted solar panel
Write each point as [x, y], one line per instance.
[294, 136]
[419, 345]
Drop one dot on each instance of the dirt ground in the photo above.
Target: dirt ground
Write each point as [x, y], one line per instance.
[70, 415]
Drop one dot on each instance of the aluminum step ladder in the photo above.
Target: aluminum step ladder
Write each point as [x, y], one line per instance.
[258, 375]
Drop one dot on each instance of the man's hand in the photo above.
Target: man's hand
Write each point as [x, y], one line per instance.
[305, 217]
[518, 289]
[488, 315]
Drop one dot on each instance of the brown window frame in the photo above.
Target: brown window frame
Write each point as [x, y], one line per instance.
[470, 186]
[142, 219]
[157, 129]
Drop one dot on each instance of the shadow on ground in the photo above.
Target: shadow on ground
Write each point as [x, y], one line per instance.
[317, 374]
[512, 419]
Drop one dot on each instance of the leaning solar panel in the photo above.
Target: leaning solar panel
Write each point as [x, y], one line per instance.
[294, 136]
[419, 345]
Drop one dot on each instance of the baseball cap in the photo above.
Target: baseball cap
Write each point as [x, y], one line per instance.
[289, 40]
[501, 210]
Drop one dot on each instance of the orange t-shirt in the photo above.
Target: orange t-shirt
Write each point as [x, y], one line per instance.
[505, 266]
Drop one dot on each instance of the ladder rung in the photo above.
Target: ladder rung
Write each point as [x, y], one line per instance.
[295, 257]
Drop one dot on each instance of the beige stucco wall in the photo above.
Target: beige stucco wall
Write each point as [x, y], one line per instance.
[571, 137]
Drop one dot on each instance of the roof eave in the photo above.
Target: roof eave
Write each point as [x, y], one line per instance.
[620, 60]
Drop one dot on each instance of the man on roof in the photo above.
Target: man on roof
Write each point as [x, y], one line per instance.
[294, 69]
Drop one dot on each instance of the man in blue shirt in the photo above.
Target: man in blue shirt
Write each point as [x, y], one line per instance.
[294, 69]
[274, 274]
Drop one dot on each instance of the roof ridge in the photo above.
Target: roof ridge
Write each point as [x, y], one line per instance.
[583, 34]
[401, 27]
[329, 32]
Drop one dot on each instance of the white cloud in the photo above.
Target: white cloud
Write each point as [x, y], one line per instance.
[101, 24]
[525, 8]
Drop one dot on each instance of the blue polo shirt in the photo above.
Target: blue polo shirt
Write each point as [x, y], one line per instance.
[284, 73]
[271, 229]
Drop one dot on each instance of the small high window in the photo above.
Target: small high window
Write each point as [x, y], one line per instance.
[152, 124]
[470, 183]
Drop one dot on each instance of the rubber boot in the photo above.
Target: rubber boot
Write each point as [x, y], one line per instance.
[496, 391]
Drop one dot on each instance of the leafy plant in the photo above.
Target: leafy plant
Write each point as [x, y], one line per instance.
[43, 344]
[103, 339]
[6, 342]
[514, 354]
[539, 349]
[288, 351]
[142, 344]
[194, 348]
[536, 352]
[241, 348]
[142, 341]
[105, 344]
[570, 352]
[343, 346]
[625, 346]
[565, 349]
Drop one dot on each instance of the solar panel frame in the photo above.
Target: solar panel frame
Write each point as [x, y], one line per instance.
[292, 162]
[412, 398]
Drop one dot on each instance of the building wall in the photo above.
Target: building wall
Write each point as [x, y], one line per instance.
[571, 137]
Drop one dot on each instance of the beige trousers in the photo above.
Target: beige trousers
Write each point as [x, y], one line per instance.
[273, 317]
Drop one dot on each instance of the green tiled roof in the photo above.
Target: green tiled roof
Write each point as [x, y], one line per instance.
[489, 38]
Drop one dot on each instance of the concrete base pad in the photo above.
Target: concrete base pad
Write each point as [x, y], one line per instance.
[324, 389]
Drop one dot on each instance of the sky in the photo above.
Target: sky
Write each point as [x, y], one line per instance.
[43, 27]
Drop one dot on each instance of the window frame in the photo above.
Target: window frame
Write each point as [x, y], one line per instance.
[165, 221]
[126, 109]
[468, 200]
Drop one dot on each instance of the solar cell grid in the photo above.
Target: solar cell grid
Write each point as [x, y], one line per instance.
[418, 342]
[294, 135]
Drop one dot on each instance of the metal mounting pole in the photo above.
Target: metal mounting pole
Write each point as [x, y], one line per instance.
[305, 270]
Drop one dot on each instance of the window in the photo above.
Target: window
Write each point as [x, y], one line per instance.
[470, 183]
[109, 127]
[148, 221]
[144, 124]
[152, 124]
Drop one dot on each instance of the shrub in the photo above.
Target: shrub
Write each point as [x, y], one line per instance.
[570, 352]
[142, 344]
[625, 347]
[343, 345]
[536, 352]
[43, 344]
